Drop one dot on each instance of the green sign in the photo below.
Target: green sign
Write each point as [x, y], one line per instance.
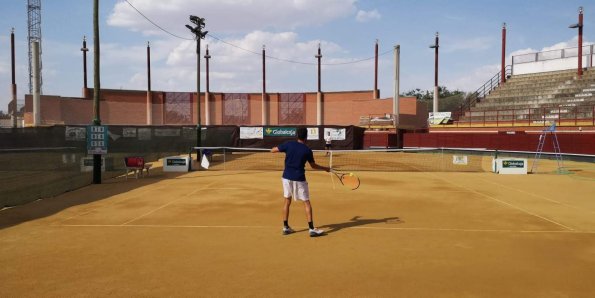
[97, 139]
[280, 132]
[176, 161]
[513, 164]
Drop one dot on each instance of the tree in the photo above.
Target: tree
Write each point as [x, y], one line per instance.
[449, 101]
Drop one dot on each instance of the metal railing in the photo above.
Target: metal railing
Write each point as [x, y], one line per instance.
[484, 90]
[552, 55]
[583, 115]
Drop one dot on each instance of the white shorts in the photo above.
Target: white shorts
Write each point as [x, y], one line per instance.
[298, 190]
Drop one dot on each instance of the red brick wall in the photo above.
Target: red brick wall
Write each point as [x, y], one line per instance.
[129, 107]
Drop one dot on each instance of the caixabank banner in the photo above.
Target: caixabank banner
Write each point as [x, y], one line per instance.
[280, 132]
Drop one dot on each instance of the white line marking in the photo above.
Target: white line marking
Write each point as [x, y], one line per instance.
[355, 228]
[505, 203]
[539, 197]
[169, 203]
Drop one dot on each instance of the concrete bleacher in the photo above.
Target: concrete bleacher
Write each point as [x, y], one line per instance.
[556, 95]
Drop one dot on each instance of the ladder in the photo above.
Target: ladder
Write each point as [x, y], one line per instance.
[557, 153]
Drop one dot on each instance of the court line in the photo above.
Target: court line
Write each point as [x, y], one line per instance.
[169, 203]
[539, 197]
[92, 209]
[300, 228]
[505, 203]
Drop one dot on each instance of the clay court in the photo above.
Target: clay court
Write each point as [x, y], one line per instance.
[218, 233]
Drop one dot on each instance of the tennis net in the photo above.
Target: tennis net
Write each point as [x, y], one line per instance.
[383, 160]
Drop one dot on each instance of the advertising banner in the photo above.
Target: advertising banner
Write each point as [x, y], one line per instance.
[313, 133]
[337, 134]
[251, 133]
[280, 132]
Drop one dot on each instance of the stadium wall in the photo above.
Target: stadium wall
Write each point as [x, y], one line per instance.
[577, 143]
[128, 107]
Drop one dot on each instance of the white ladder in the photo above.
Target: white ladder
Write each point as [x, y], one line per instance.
[555, 143]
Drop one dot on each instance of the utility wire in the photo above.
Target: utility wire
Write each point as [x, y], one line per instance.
[251, 51]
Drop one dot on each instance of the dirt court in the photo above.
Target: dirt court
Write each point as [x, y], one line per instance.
[218, 233]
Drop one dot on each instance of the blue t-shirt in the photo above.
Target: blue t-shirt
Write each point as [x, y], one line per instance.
[296, 156]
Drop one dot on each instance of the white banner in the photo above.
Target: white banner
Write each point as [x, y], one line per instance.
[313, 133]
[337, 134]
[439, 118]
[251, 133]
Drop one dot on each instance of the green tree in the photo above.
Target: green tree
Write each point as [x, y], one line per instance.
[449, 101]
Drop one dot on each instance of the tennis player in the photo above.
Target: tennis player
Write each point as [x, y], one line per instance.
[328, 143]
[295, 186]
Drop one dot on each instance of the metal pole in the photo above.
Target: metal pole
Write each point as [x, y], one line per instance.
[198, 34]
[503, 66]
[149, 94]
[376, 95]
[319, 93]
[580, 42]
[36, 84]
[96, 88]
[207, 91]
[198, 126]
[14, 85]
[84, 49]
[264, 88]
[397, 51]
[436, 89]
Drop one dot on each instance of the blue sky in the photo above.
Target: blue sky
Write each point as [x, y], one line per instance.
[470, 42]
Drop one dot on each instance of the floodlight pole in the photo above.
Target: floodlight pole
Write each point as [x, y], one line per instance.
[579, 25]
[503, 66]
[96, 89]
[198, 35]
[580, 42]
[84, 49]
[436, 89]
[319, 91]
[376, 95]
[207, 90]
[149, 92]
[13, 85]
[264, 116]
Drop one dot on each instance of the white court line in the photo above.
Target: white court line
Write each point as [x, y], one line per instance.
[163, 206]
[506, 203]
[540, 197]
[355, 228]
[91, 209]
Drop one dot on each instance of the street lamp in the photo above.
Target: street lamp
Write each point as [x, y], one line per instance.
[579, 25]
[198, 35]
[435, 46]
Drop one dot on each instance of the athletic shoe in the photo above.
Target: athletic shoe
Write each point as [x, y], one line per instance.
[287, 230]
[316, 232]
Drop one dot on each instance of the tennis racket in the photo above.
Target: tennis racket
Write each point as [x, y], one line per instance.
[347, 179]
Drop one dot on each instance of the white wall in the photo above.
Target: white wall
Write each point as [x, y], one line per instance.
[549, 65]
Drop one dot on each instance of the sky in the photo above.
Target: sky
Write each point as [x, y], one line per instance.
[291, 30]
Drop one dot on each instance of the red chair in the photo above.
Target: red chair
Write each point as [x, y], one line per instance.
[136, 164]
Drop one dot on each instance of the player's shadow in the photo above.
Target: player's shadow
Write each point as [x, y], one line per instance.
[357, 221]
